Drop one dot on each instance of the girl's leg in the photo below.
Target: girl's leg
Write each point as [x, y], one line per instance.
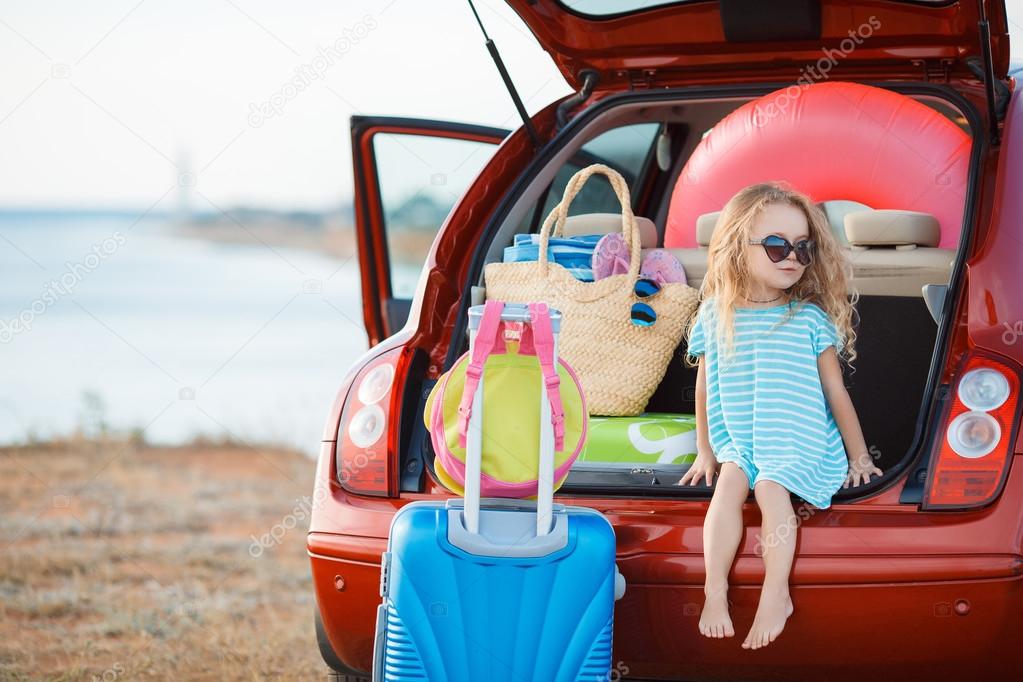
[778, 539]
[722, 532]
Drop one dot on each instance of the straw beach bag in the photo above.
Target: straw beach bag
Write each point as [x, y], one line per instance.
[619, 363]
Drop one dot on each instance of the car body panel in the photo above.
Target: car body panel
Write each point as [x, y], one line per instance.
[996, 319]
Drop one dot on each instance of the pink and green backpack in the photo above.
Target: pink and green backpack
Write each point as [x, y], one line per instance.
[513, 373]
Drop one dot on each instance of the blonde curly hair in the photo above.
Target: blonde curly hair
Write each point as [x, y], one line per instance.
[729, 278]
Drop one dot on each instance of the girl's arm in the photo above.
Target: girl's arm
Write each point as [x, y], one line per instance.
[706, 464]
[861, 464]
[702, 430]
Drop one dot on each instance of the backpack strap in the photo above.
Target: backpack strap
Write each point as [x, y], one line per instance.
[543, 342]
[482, 346]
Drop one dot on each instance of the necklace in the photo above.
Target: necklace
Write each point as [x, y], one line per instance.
[753, 300]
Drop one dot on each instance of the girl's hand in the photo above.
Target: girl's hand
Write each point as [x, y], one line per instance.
[861, 467]
[705, 466]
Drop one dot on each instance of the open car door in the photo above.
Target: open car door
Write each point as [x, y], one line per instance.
[408, 174]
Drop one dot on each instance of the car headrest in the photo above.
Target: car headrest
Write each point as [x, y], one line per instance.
[902, 229]
[835, 211]
[606, 223]
[705, 227]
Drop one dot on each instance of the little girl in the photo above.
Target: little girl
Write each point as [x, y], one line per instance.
[772, 411]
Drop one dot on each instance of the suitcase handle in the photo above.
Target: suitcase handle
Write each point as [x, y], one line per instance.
[511, 312]
[538, 335]
[528, 314]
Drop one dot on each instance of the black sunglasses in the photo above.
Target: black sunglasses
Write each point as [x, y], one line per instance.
[779, 248]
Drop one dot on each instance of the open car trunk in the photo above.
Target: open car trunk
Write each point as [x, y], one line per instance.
[901, 344]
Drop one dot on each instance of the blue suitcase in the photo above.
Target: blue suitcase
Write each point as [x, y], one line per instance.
[496, 589]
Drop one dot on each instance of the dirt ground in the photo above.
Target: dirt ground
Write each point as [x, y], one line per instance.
[121, 561]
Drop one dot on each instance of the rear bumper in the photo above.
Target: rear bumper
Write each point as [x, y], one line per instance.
[347, 593]
[910, 617]
[955, 630]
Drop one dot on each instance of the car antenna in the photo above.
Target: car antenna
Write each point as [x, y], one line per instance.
[508, 82]
[989, 70]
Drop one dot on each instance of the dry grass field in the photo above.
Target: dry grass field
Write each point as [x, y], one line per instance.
[122, 561]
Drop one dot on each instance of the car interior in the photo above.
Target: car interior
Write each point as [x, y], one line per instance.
[901, 239]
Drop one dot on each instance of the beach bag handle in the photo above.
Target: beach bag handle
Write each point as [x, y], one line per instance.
[554, 224]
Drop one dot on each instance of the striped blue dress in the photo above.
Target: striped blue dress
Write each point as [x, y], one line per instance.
[766, 410]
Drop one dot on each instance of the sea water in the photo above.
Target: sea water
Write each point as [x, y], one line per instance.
[107, 321]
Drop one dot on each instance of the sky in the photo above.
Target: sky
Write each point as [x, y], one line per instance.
[116, 103]
[109, 103]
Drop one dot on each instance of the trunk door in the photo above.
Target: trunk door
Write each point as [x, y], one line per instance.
[649, 43]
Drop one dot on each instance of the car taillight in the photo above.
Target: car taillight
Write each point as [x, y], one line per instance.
[975, 446]
[367, 437]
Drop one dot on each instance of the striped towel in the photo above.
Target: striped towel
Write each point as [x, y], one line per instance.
[573, 253]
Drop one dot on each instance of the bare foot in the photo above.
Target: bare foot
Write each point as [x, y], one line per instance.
[774, 609]
[714, 621]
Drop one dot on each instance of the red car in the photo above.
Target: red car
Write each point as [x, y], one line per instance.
[917, 575]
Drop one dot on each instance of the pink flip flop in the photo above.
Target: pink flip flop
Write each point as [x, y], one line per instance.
[611, 257]
[662, 267]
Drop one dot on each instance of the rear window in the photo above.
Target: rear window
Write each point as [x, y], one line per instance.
[607, 8]
[600, 8]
